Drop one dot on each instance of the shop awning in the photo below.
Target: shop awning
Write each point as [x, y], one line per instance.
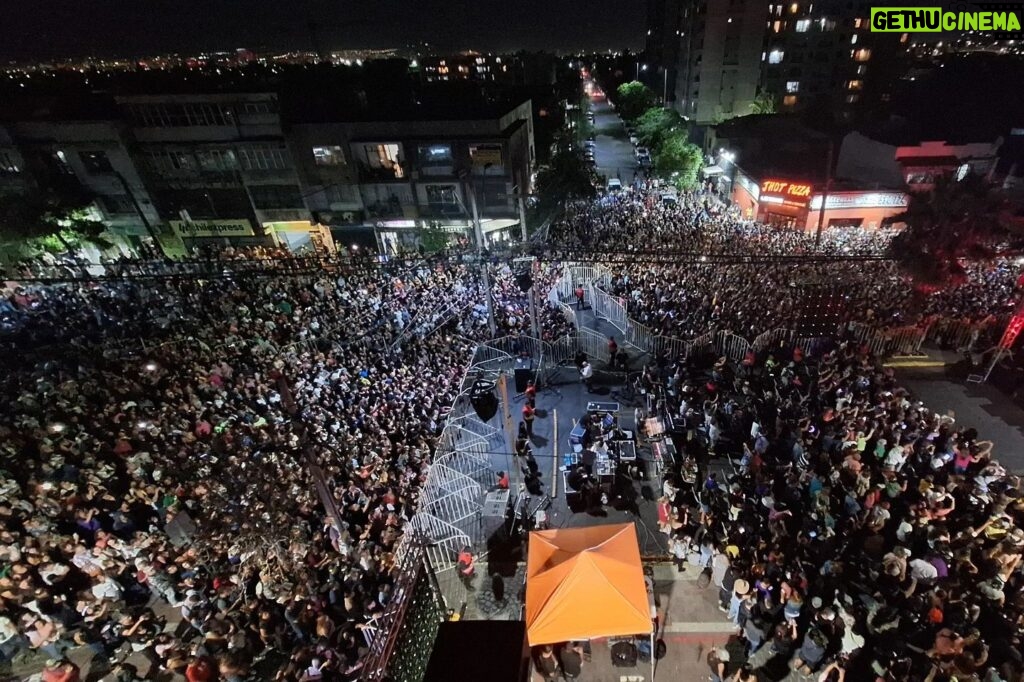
[494, 224]
[583, 583]
[712, 170]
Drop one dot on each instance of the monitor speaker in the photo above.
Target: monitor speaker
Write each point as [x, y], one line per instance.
[483, 400]
[524, 280]
[523, 377]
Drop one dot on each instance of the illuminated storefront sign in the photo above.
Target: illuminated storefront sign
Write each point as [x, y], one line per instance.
[794, 191]
[861, 200]
[212, 228]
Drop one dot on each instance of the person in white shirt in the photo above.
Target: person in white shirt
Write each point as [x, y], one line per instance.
[587, 373]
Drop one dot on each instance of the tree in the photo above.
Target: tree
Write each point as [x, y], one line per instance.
[679, 160]
[634, 99]
[51, 219]
[763, 103]
[955, 220]
[567, 177]
[655, 124]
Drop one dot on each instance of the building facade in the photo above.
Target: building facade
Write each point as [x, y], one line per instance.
[719, 58]
[189, 169]
[217, 165]
[824, 54]
[392, 179]
[795, 203]
[95, 155]
[796, 55]
[917, 166]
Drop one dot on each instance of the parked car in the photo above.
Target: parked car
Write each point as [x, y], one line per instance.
[642, 151]
[644, 159]
[590, 144]
[669, 197]
[634, 140]
[614, 185]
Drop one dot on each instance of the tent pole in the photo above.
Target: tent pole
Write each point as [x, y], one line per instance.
[653, 657]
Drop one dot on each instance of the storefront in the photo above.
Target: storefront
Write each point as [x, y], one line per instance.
[301, 236]
[797, 205]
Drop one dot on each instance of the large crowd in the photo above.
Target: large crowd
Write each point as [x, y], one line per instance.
[157, 439]
[744, 290]
[856, 534]
[163, 437]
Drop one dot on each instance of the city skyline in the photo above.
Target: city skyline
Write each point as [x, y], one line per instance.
[54, 29]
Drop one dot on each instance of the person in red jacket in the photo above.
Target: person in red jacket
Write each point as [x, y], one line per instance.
[528, 416]
[61, 671]
[201, 669]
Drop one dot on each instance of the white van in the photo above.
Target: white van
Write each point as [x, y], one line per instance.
[614, 185]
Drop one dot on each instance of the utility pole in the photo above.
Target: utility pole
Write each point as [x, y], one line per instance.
[664, 88]
[824, 195]
[479, 232]
[138, 209]
[522, 209]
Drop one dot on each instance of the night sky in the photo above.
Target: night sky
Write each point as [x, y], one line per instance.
[46, 28]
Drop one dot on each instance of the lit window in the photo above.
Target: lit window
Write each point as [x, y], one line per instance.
[436, 154]
[857, 23]
[852, 99]
[329, 156]
[861, 70]
[775, 56]
[803, 25]
[904, 37]
[794, 8]
[862, 55]
[853, 39]
[777, 26]
[854, 85]
[789, 101]
[792, 86]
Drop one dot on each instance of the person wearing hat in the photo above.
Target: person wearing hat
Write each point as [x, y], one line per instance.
[740, 603]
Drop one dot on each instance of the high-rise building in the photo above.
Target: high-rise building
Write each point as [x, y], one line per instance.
[720, 51]
[730, 54]
[664, 31]
[823, 54]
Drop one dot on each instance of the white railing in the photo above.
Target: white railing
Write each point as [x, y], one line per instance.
[593, 280]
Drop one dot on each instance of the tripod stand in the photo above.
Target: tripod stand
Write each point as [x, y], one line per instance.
[628, 394]
[545, 384]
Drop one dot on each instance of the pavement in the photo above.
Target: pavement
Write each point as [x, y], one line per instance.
[614, 155]
[982, 406]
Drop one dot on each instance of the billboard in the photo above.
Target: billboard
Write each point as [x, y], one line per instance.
[212, 228]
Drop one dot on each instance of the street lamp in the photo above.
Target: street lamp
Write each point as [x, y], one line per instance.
[639, 68]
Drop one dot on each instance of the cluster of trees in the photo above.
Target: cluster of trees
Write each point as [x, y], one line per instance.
[664, 132]
[956, 220]
[51, 219]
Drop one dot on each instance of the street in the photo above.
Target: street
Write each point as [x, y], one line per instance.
[614, 154]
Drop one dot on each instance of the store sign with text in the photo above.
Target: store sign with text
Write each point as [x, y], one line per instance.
[212, 228]
[797, 192]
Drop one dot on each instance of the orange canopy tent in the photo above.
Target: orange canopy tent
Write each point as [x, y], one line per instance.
[583, 583]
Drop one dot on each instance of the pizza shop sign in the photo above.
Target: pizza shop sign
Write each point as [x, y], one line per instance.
[795, 191]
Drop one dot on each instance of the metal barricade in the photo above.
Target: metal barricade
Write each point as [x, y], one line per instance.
[731, 345]
[607, 307]
[772, 339]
